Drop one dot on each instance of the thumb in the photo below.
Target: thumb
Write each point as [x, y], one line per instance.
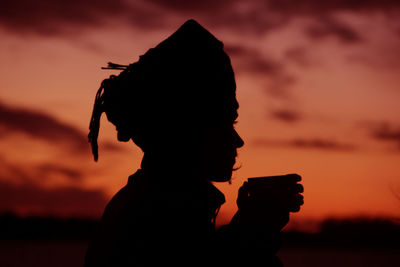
[243, 195]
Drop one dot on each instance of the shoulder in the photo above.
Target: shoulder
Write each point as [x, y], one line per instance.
[128, 199]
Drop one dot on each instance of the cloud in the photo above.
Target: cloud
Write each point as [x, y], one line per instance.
[271, 70]
[235, 15]
[49, 17]
[55, 17]
[324, 144]
[301, 143]
[31, 199]
[298, 55]
[47, 169]
[33, 172]
[386, 132]
[63, 137]
[14, 172]
[332, 27]
[253, 61]
[286, 115]
[188, 5]
[261, 16]
[41, 126]
[325, 7]
[24, 189]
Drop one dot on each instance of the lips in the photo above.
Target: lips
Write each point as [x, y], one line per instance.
[234, 158]
[233, 161]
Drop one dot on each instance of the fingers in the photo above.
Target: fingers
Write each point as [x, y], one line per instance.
[284, 196]
[293, 189]
[293, 177]
[296, 203]
[243, 194]
[299, 188]
[289, 184]
[298, 199]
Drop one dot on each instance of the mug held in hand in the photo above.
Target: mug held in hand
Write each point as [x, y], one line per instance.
[277, 192]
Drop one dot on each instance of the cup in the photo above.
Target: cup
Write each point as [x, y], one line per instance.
[280, 191]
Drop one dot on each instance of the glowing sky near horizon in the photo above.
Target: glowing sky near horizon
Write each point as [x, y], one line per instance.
[318, 87]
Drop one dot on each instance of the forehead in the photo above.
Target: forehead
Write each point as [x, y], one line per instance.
[231, 118]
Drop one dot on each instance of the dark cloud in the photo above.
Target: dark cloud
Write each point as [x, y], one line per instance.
[42, 126]
[286, 115]
[22, 191]
[48, 169]
[31, 173]
[274, 72]
[192, 5]
[279, 86]
[386, 132]
[14, 171]
[327, 7]
[238, 15]
[31, 199]
[327, 27]
[385, 57]
[311, 143]
[298, 55]
[50, 17]
[53, 17]
[253, 61]
[260, 16]
[317, 143]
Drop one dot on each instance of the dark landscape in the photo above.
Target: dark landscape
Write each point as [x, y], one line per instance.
[37, 241]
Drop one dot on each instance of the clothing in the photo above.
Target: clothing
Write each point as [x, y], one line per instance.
[153, 222]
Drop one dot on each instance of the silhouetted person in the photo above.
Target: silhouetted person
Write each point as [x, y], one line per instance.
[178, 104]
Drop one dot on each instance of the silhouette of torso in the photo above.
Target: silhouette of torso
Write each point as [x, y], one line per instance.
[151, 221]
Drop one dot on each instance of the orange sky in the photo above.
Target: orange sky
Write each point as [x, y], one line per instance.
[318, 87]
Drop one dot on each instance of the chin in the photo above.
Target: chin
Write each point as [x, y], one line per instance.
[221, 171]
[224, 176]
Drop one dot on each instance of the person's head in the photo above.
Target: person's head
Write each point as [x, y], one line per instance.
[178, 100]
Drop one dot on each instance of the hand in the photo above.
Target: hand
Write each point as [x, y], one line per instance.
[269, 206]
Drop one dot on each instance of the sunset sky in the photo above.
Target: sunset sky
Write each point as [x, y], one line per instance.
[317, 82]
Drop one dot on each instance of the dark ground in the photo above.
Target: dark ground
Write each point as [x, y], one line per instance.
[62, 242]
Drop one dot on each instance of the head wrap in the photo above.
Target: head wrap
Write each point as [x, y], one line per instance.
[187, 79]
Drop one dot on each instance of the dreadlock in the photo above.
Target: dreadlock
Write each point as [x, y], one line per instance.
[94, 125]
[98, 109]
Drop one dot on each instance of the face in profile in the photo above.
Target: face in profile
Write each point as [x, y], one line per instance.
[218, 150]
[221, 144]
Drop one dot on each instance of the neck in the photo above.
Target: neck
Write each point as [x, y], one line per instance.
[179, 168]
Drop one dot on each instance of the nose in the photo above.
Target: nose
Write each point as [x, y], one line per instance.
[238, 140]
